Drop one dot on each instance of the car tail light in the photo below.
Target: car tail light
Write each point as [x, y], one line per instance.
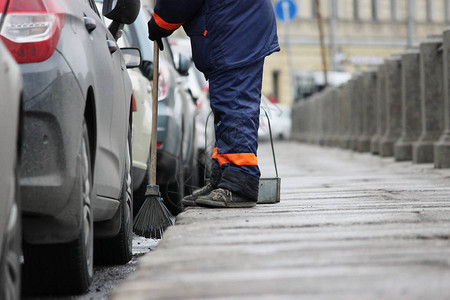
[205, 88]
[133, 103]
[31, 29]
[158, 145]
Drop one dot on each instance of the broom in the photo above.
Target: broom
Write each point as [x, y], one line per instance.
[153, 216]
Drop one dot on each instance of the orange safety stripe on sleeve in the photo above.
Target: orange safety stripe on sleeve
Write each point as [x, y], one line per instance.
[165, 25]
[239, 159]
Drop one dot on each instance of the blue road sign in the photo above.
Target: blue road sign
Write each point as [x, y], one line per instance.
[285, 10]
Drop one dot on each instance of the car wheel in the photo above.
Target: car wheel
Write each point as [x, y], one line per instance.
[191, 171]
[204, 168]
[65, 268]
[174, 191]
[139, 193]
[118, 249]
[12, 250]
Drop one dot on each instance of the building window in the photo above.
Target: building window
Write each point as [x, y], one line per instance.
[375, 10]
[447, 11]
[313, 8]
[429, 10]
[334, 9]
[394, 10]
[356, 10]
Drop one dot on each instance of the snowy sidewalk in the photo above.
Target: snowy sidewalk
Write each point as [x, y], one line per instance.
[349, 226]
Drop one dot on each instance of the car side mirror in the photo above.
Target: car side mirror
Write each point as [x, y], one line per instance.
[132, 57]
[121, 11]
[147, 69]
[183, 64]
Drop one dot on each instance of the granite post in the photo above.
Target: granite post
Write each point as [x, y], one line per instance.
[432, 100]
[411, 116]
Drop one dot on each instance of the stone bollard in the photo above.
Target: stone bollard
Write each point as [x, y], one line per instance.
[356, 115]
[343, 118]
[327, 117]
[346, 115]
[442, 147]
[321, 107]
[298, 127]
[315, 120]
[380, 109]
[318, 112]
[309, 120]
[393, 106]
[351, 94]
[331, 116]
[359, 103]
[335, 132]
[432, 100]
[368, 87]
[411, 119]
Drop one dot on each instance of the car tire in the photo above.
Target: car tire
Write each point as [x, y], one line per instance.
[12, 250]
[65, 268]
[204, 168]
[118, 249]
[173, 192]
[191, 170]
[139, 193]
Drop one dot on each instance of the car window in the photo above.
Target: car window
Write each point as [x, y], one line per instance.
[92, 4]
[84, 1]
[137, 34]
[167, 53]
[2, 13]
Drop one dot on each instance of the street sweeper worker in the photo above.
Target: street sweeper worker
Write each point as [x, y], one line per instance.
[229, 40]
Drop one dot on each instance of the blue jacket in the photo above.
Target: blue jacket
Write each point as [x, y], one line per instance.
[224, 34]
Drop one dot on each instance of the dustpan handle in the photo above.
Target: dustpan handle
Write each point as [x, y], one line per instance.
[271, 141]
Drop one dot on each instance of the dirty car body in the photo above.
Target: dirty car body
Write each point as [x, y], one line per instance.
[76, 143]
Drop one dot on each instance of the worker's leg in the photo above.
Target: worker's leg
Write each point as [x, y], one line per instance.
[235, 100]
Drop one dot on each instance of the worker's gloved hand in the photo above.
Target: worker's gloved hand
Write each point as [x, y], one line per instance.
[155, 34]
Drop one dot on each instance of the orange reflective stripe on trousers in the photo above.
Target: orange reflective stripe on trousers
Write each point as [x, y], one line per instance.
[239, 159]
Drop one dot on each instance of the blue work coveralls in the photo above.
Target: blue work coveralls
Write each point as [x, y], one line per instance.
[229, 39]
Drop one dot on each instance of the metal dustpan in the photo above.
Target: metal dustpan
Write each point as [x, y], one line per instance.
[269, 188]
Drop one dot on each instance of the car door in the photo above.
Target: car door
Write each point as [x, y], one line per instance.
[111, 103]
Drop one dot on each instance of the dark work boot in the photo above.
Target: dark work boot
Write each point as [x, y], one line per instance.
[222, 198]
[190, 199]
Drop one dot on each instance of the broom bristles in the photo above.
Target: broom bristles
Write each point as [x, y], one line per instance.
[153, 218]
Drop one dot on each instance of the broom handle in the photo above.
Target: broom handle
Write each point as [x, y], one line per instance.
[154, 113]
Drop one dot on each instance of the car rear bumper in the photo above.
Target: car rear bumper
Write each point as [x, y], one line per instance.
[53, 110]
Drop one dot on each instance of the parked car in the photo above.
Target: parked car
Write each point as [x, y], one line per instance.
[282, 122]
[276, 114]
[142, 125]
[176, 153]
[10, 120]
[198, 88]
[75, 179]
[142, 130]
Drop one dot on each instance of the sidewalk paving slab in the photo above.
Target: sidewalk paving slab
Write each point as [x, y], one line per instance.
[349, 226]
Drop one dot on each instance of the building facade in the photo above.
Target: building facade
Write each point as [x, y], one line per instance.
[358, 34]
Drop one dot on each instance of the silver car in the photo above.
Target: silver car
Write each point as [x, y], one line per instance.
[75, 171]
[10, 240]
[176, 172]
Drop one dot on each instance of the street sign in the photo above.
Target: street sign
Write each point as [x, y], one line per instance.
[285, 10]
